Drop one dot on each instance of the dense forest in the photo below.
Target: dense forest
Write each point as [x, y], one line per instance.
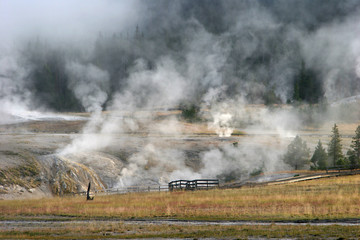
[265, 51]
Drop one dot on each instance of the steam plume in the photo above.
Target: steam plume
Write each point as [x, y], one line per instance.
[131, 57]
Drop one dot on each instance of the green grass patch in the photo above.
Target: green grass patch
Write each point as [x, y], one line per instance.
[238, 133]
[121, 230]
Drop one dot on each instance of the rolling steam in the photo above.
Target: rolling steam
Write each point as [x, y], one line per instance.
[131, 57]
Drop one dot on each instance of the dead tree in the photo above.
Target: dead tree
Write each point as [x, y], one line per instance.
[88, 193]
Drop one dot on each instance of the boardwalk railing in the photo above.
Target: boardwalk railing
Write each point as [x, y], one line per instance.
[196, 184]
[340, 168]
[129, 189]
[174, 185]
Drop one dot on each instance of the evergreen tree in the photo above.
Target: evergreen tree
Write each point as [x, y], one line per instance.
[190, 112]
[297, 154]
[296, 94]
[335, 148]
[307, 86]
[50, 83]
[351, 159]
[354, 152]
[137, 33]
[319, 158]
[356, 143]
[270, 97]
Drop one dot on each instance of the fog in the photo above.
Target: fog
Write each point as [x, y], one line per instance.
[131, 57]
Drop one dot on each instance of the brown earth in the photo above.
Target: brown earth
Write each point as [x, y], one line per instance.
[29, 165]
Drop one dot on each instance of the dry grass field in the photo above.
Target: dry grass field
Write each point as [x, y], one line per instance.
[326, 199]
[113, 216]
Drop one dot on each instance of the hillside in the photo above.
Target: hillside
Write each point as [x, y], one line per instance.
[47, 157]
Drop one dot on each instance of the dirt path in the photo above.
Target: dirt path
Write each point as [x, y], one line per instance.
[21, 225]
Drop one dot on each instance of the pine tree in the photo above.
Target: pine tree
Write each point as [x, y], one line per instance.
[137, 33]
[351, 159]
[356, 143]
[296, 94]
[354, 152]
[335, 147]
[307, 86]
[297, 154]
[319, 158]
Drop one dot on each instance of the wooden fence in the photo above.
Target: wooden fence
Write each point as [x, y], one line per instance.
[340, 168]
[160, 188]
[130, 189]
[197, 184]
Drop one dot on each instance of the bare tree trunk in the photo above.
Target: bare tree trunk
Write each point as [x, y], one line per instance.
[88, 193]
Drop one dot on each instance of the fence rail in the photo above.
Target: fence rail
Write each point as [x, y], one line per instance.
[197, 184]
[129, 189]
[160, 188]
[340, 168]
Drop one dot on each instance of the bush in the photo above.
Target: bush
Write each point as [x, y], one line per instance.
[190, 112]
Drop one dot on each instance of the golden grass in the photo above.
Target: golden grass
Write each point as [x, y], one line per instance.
[335, 198]
[23, 175]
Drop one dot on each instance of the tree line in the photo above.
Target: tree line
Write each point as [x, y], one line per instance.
[264, 63]
[298, 154]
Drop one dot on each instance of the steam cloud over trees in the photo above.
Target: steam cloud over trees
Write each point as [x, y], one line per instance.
[265, 51]
[209, 59]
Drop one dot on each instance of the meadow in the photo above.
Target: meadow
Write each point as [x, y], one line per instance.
[318, 201]
[334, 198]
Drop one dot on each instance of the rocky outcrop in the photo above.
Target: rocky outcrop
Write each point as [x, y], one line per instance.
[68, 177]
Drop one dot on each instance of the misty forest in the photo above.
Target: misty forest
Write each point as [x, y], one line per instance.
[144, 92]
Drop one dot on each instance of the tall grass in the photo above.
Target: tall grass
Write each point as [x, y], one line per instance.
[335, 198]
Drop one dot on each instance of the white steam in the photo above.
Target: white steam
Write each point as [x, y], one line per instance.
[335, 50]
[357, 69]
[204, 69]
[90, 85]
[221, 124]
[65, 21]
